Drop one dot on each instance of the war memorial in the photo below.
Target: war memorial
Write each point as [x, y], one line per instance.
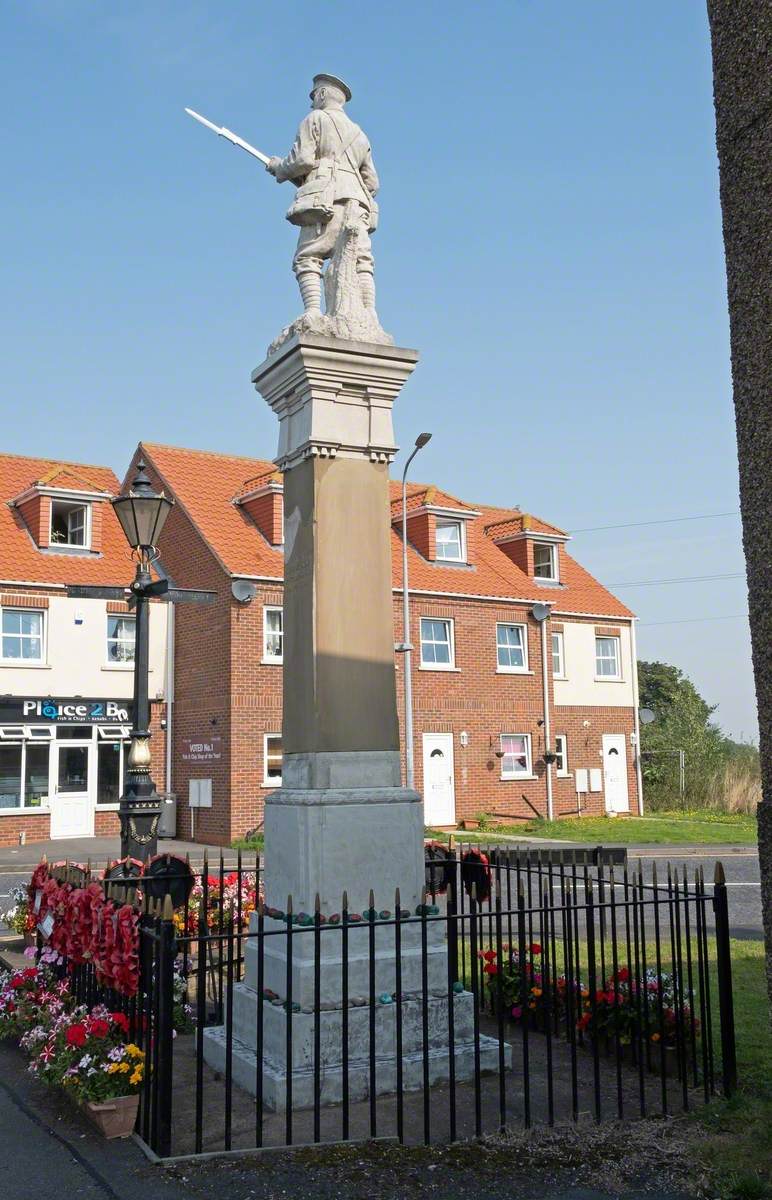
[341, 821]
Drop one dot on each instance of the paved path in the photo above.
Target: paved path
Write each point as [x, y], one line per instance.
[49, 1152]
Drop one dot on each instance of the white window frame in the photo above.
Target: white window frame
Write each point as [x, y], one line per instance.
[270, 781]
[504, 670]
[528, 772]
[554, 575]
[561, 752]
[72, 504]
[608, 678]
[28, 808]
[435, 666]
[561, 654]
[24, 662]
[459, 525]
[121, 735]
[267, 656]
[118, 663]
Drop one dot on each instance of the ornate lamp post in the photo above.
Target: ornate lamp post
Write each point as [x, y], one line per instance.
[142, 514]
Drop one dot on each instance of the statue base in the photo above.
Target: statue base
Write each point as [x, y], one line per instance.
[360, 326]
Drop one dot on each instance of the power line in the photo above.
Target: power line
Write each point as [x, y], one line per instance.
[695, 620]
[666, 521]
[682, 579]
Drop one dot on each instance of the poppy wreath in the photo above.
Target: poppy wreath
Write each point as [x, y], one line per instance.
[440, 866]
[79, 923]
[476, 873]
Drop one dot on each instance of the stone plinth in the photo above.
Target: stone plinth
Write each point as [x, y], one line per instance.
[341, 822]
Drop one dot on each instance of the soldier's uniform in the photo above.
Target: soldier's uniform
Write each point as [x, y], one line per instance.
[329, 142]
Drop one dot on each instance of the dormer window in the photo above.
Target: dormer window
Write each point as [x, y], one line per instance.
[70, 524]
[450, 541]
[545, 560]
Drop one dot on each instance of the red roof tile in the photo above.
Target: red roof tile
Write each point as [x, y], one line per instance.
[21, 560]
[206, 483]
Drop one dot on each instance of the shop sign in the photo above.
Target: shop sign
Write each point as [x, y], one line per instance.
[75, 710]
[201, 749]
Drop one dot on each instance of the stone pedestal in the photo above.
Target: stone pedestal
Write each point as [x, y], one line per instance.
[341, 820]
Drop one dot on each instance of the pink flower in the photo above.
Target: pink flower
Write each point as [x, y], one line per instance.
[30, 951]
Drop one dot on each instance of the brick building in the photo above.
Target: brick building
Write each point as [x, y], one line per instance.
[483, 704]
[66, 665]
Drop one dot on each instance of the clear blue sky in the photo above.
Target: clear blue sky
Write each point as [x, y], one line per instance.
[550, 242]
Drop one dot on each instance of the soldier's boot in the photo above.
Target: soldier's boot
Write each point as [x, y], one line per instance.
[367, 289]
[310, 284]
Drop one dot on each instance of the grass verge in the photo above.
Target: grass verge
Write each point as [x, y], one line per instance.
[671, 829]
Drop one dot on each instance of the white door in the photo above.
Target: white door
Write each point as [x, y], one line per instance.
[72, 806]
[439, 797]
[615, 773]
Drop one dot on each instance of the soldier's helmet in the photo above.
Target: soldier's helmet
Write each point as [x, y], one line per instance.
[320, 80]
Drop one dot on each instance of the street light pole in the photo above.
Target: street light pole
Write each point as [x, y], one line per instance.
[406, 646]
[142, 514]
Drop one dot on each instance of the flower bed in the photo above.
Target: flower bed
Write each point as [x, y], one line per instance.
[621, 1011]
[86, 1054]
[240, 896]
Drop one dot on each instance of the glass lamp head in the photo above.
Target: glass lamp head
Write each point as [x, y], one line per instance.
[142, 512]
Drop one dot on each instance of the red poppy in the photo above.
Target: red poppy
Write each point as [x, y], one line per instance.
[76, 1035]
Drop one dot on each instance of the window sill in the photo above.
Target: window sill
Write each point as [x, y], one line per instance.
[118, 667]
[513, 671]
[609, 679]
[24, 812]
[438, 667]
[517, 778]
[564, 774]
[560, 678]
[271, 783]
[25, 664]
[271, 662]
[98, 808]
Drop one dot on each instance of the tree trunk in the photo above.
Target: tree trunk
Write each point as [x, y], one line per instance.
[741, 36]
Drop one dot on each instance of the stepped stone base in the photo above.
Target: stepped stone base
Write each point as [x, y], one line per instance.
[244, 1061]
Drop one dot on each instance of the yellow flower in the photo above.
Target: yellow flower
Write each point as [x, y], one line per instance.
[655, 1037]
[134, 1051]
[136, 1077]
[124, 1066]
[113, 1068]
[536, 991]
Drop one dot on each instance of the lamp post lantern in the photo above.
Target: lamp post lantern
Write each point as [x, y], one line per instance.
[406, 646]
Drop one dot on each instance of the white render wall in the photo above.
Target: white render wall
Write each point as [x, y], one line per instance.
[580, 687]
[76, 655]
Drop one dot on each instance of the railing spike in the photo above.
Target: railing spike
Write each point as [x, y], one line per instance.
[345, 899]
[719, 877]
[372, 898]
[168, 908]
[317, 905]
[653, 873]
[289, 906]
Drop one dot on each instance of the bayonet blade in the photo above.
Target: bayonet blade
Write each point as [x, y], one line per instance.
[197, 117]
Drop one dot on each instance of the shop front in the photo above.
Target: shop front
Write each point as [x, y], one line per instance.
[65, 757]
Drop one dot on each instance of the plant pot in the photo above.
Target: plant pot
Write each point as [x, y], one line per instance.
[113, 1118]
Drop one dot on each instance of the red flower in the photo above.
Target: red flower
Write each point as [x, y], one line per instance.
[98, 1028]
[121, 1020]
[490, 956]
[623, 974]
[535, 948]
[584, 1021]
[76, 1035]
[490, 968]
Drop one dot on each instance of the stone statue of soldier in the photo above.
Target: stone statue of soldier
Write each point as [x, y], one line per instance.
[336, 211]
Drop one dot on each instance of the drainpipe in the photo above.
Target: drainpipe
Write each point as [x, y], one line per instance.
[636, 718]
[169, 689]
[540, 613]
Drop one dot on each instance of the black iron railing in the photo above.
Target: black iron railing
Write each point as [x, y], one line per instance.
[611, 996]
